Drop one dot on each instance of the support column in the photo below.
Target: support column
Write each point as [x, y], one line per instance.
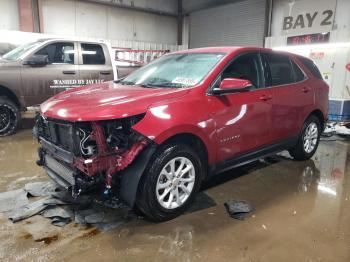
[29, 20]
[179, 22]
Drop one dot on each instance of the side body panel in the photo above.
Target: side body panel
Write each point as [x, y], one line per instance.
[321, 92]
[291, 106]
[190, 116]
[292, 103]
[10, 79]
[243, 121]
[322, 97]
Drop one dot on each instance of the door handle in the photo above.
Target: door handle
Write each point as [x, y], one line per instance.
[305, 89]
[69, 72]
[265, 97]
[105, 72]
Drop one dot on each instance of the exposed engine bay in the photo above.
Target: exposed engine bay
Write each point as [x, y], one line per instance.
[78, 155]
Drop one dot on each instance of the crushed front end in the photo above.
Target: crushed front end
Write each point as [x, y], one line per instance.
[79, 155]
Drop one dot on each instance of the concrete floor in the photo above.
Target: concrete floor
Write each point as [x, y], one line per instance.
[302, 214]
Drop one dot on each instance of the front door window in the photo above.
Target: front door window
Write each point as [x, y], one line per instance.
[59, 53]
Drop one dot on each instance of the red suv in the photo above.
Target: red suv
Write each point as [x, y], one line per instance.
[154, 136]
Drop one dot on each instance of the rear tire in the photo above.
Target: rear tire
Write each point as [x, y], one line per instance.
[308, 139]
[169, 183]
[9, 117]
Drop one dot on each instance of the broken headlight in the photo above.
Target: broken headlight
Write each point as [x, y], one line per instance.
[119, 135]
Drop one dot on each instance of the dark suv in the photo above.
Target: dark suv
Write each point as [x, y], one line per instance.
[153, 137]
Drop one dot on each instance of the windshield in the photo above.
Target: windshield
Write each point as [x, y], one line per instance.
[21, 50]
[177, 70]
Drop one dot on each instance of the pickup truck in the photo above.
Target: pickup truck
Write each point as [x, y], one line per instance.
[35, 71]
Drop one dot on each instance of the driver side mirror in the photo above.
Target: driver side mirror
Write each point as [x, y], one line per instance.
[232, 85]
[37, 60]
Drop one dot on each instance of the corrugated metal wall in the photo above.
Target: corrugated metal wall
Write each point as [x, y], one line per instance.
[87, 19]
[241, 23]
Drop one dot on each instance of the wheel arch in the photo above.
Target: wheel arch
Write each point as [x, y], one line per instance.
[131, 176]
[318, 113]
[4, 91]
[196, 143]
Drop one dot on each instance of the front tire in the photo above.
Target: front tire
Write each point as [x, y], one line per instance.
[308, 140]
[9, 117]
[170, 183]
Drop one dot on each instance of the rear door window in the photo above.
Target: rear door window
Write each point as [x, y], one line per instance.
[58, 53]
[280, 69]
[92, 54]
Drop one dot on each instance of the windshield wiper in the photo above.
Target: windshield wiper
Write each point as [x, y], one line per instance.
[164, 84]
[127, 83]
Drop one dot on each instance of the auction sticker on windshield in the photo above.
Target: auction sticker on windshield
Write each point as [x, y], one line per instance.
[184, 81]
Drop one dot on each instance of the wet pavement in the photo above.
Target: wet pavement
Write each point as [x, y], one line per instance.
[302, 214]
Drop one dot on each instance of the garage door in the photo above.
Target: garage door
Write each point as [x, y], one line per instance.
[241, 23]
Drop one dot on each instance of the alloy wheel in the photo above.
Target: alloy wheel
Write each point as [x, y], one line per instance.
[310, 137]
[175, 183]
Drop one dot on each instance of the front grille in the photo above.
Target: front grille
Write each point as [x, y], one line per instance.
[60, 133]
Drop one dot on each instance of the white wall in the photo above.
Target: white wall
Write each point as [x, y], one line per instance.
[9, 18]
[335, 57]
[341, 21]
[69, 17]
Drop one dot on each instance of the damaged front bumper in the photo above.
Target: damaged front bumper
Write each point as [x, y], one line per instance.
[59, 166]
[108, 165]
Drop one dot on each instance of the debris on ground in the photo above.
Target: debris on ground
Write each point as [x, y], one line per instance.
[31, 209]
[336, 131]
[202, 201]
[46, 199]
[37, 189]
[238, 209]
[12, 200]
[49, 201]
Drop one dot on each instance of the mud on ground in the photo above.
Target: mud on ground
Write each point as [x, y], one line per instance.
[302, 214]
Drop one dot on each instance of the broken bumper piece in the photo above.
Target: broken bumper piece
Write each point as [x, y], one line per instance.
[80, 173]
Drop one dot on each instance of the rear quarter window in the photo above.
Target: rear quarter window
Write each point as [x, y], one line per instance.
[298, 74]
[310, 65]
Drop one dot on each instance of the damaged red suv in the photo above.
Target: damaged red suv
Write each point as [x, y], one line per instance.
[154, 136]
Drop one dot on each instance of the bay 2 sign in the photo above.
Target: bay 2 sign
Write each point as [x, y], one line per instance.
[303, 17]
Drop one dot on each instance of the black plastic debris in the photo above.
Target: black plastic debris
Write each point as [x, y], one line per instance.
[238, 209]
[65, 196]
[202, 201]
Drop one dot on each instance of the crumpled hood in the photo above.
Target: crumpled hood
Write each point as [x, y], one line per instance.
[105, 101]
